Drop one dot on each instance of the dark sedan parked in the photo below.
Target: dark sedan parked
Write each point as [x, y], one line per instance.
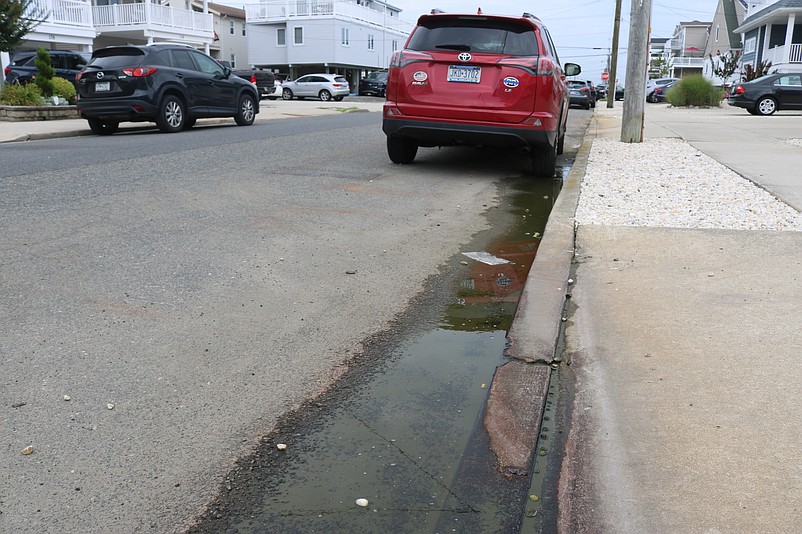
[768, 94]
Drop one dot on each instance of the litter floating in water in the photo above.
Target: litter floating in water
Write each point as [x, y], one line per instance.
[485, 257]
[362, 502]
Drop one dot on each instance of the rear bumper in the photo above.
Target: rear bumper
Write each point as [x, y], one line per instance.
[118, 109]
[740, 102]
[441, 133]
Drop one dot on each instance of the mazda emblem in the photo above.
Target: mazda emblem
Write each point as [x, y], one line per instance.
[99, 75]
[465, 56]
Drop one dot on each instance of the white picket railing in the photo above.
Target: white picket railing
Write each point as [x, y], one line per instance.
[151, 14]
[62, 12]
[284, 10]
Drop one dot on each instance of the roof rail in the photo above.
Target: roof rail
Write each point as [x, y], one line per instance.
[435, 11]
[529, 16]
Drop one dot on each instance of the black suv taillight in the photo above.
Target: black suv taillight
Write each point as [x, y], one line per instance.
[139, 72]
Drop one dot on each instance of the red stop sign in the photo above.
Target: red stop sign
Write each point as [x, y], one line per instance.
[605, 76]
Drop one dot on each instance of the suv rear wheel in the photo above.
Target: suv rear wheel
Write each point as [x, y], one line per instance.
[101, 127]
[544, 161]
[324, 95]
[172, 115]
[245, 114]
[286, 94]
[401, 150]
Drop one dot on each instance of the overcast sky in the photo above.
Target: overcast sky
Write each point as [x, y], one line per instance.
[582, 29]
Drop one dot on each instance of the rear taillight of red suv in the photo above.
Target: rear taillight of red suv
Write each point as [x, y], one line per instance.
[402, 58]
[538, 66]
[6, 71]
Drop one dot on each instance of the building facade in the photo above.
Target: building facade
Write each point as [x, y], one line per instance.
[772, 33]
[724, 41]
[349, 37]
[686, 48]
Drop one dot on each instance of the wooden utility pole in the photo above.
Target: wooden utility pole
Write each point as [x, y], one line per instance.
[611, 82]
[637, 63]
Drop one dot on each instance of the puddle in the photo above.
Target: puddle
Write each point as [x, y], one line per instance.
[408, 435]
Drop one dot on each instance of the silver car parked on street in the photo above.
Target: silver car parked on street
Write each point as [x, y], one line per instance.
[323, 86]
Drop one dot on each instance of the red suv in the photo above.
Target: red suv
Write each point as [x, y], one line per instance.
[478, 80]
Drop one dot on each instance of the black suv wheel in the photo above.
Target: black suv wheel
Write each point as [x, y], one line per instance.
[172, 115]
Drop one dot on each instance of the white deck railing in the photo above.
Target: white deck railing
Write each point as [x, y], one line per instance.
[63, 12]
[285, 10]
[151, 14]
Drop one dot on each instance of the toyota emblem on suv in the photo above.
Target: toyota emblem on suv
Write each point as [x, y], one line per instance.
[465, 56]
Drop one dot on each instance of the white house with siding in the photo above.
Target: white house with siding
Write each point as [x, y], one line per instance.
[349, 37]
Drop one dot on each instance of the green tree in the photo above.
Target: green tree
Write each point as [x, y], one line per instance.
[17, 19]
[658, 68]
[44, 72]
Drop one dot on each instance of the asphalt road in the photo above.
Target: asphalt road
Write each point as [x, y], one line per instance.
[165, 298]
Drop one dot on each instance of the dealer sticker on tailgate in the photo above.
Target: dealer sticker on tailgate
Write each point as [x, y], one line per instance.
[464, 73]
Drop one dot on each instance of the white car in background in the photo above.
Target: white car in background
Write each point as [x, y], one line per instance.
[323, 86]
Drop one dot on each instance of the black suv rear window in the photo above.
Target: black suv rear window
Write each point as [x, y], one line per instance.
[114, 58]
[475, 35]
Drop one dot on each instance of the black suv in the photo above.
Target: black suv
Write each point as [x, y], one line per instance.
[67, 63]
[171, 85]
[374, 83]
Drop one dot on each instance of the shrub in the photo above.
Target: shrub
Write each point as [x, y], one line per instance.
[44, 72]
[21, 95]
[694, 90]
[64, 89]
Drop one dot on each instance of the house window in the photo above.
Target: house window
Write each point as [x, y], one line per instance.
[233, 61]
[231, 27]
[370, 41]
[717, 29]
[395, 45]
[243, 29]
[298, 35]
[749, 45]
[345, 40]
[281, 37]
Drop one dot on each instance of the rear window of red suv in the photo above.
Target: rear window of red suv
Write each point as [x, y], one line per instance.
[474, 34]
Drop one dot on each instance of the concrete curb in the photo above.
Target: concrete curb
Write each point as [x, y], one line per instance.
[535, 329]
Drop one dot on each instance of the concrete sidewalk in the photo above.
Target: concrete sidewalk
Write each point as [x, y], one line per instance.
[687, 350]
[11, 131]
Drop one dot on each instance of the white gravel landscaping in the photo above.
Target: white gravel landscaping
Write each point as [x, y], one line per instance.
[668, 183]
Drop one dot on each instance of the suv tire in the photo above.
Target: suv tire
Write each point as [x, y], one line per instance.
[324, 95]
[245, 111]
[101, 127]
[401, 150]
[172, 114]
[286, 94]
[544, 161]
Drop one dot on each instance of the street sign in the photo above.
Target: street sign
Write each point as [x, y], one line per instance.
[605, 76]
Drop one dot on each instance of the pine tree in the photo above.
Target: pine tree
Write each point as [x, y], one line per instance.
[17, 19]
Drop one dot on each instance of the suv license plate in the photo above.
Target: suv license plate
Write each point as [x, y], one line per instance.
[464, 73]
[102, 86]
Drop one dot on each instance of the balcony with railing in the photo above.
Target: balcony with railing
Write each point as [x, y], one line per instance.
[62, 20]
[777, 55]
[147, 16]
[282, 11]
[688, 62]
